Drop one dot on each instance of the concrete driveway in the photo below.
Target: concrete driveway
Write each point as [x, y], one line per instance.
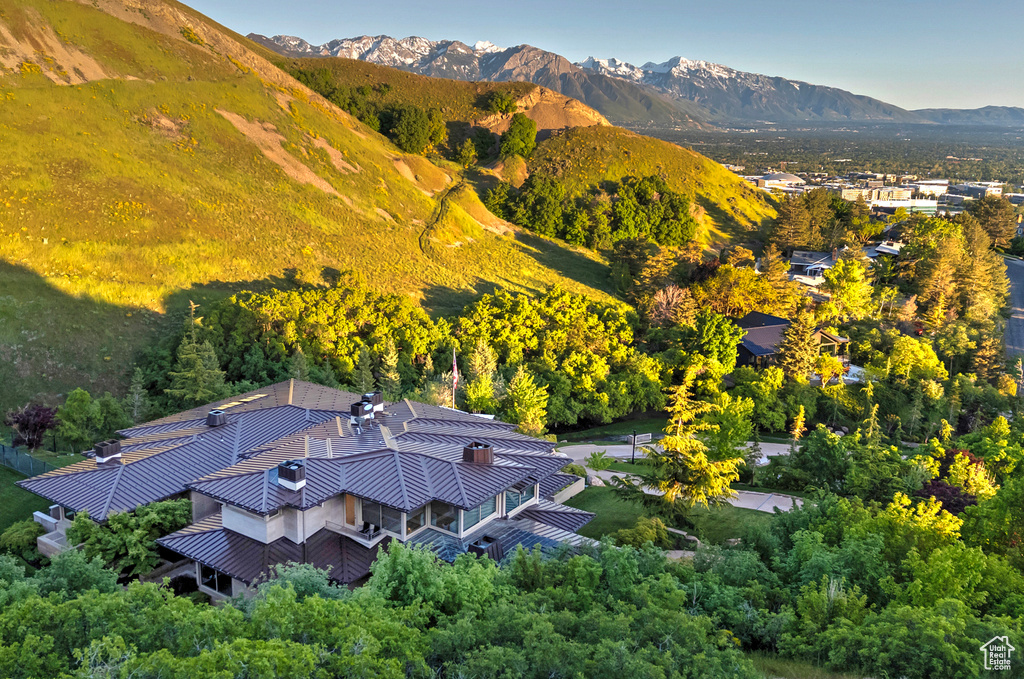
[761, 502]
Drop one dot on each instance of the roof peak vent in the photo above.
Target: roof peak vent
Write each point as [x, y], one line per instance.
[478, 453]
[292, 474]
[108, 452]
[216, 418]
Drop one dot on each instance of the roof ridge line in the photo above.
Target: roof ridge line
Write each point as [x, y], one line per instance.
[401, 480]
[458, 482]
[113, 489]
[426, 474]
[266, 487]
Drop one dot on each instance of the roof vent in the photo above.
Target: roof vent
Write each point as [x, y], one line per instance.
[376, 399]
[108, 451]
[216, 418]
[291, 474]
[478, 453]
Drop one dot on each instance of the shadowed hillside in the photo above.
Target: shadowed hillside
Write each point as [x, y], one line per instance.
[147, 152]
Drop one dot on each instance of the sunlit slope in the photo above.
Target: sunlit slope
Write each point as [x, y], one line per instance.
[149, 157]
[586, 157]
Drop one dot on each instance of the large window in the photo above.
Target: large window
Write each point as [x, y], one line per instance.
[514, 498]
[478, 514]
[383, 517]
[212, 578]
[415, 520]
[444, 516]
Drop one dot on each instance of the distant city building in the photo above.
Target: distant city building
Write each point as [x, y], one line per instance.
[931, 187]
[980, 189]
[777, 180]
[928, 207]
[1015, 198]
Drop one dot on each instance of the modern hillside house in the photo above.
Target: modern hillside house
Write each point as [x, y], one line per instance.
[759, 347]
[297, 472]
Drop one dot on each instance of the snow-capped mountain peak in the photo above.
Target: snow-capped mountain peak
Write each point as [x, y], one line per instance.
[486, 47]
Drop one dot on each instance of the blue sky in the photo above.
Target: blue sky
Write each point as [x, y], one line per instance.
[911, 53]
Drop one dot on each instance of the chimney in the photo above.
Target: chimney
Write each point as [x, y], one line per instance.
[361, 410]
[216, 418]
[376, 399]
[478, 453]
[291, 474]
[108, 452]
[835, 254]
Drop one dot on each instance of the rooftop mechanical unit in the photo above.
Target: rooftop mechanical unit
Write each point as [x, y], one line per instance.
[291, 474]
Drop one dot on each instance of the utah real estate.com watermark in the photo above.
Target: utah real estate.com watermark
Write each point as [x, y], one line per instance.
[997, 653]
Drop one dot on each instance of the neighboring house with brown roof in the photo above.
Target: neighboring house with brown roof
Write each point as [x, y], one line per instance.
[301, 472]
[763, 336]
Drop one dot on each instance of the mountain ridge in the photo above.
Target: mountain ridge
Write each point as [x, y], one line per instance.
[679, 91]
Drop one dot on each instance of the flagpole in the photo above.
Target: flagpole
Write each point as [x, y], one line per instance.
[455, 377]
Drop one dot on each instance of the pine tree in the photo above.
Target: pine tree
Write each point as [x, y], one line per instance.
[390, 380]
[681, 472]
[526, 403]
[298, 366]
[196, 378]
[480, 389]
[987, 361]
[798, 349]
[137, 402]
[364, 371]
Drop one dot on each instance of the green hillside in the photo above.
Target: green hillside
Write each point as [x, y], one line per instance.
[585, 157]
[456, 99]
[150, 158]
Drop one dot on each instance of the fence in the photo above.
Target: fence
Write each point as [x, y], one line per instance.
[22, 462]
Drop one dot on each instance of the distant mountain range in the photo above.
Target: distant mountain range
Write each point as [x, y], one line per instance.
[676, 92]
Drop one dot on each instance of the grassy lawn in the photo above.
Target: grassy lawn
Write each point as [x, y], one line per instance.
[644, 425]
[779, 668]
[16, 504]
[717, 525]
[627, 468]
[713, 526]
[612, 513]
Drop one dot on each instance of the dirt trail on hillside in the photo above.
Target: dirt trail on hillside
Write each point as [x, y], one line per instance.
[337, 159]
[269, 141]
[61, 63]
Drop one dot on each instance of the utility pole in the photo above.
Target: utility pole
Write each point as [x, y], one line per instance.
[632, 454]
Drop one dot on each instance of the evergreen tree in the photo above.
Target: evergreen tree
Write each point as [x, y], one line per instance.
[682, 472]
[526, 403]
[520, 138]
[466, 155]
[196, 378]
[137, 403]
[988, 363]
[793, 225]
[480, 387]
[799, 349]
[364, 371]
[298, 366]
[390, 379]
[996, 216]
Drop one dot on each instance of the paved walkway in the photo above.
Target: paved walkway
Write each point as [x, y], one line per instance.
[761, 502]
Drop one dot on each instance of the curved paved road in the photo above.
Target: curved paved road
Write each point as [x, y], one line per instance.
[1014, 337]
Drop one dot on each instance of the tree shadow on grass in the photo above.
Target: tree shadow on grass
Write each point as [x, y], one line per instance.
[568, 262]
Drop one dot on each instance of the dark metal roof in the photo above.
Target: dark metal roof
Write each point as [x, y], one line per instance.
[559, 516]
[508, 533]
[764, 341]
[409, 455]
[756, 319]
[246, 559]
[555, 483]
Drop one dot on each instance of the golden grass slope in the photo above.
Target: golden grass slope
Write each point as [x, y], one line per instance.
[154, 157]
[458, 100]
[585, 157]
